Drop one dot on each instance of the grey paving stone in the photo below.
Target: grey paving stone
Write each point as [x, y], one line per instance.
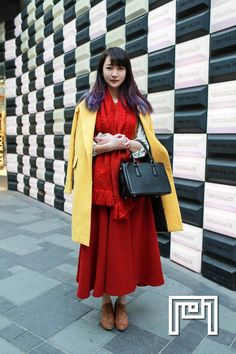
[92, 316]
[60, 249]
[66, 268]
[44, 259]
[136, 340]
[16, 269]
[103, 351]
[45, 225]
[65, 289]
[66, 229]
[11, 198]
[46, 348]
[149, 311]
[73, 294]
[73, 255]
[7, 229]
[4, 274]
[62, 240]
[82, 337]
[227, 318]
[224, 337]
[28, 209]
[8, 348]
[20, 244]
[4, 322]
[172, 287]
[11, 332]
[5, 305]
[23, 286]
[48, 313]
[19, 219]
[64, 272]
[234, 344]
[26, 342]
[61, 276]
[22, 210]
[7, 260]
[34, 235]
[72, 261]
[138, 291]
[210, 347]
[188, 339]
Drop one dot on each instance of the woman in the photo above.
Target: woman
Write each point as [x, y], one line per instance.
[119, 247]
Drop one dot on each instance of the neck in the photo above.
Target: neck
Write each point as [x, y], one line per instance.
[114, 92]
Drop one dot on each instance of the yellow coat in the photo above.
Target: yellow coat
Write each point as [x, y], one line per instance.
[79, 173]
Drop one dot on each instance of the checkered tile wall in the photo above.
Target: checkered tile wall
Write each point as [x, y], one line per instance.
[183, 57]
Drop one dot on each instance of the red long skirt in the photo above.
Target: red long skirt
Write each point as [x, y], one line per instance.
[121, 255]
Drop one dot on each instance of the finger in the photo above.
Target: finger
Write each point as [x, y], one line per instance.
[99, 140]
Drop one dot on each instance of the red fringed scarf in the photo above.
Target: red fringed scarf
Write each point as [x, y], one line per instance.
[112, 118]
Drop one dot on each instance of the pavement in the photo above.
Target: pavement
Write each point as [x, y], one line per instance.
[40, 313]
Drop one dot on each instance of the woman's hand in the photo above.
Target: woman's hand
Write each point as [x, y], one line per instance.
[120, 141]
[108, 142]
[103, 138]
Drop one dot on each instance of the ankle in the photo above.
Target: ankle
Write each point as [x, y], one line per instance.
[121, 300]
[106, 298]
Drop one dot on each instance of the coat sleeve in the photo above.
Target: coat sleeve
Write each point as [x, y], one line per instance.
[69, 175]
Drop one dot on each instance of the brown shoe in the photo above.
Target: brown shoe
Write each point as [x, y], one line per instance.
[107, 316]
[121, 317]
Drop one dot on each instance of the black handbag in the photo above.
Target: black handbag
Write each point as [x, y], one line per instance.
[143, 178]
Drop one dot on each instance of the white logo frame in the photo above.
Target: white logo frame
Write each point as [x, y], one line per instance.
[193, 307]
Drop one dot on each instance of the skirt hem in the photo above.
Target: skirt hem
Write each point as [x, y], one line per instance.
[114, 293]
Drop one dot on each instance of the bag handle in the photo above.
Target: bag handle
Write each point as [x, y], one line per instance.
[148, 152]
[141, 142]
[151, 161]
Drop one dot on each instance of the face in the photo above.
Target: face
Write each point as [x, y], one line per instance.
[114, 75]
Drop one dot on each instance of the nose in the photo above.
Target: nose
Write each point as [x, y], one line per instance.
[114, 73]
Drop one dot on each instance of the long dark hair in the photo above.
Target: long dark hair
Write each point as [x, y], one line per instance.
[129, 93]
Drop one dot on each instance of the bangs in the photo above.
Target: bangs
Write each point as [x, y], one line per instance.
[117, 58]
[118, 61]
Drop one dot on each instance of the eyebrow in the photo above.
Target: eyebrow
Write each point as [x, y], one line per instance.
[114, 65]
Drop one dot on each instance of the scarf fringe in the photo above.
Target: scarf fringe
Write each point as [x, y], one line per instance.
[120, 212]
[103, 197]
